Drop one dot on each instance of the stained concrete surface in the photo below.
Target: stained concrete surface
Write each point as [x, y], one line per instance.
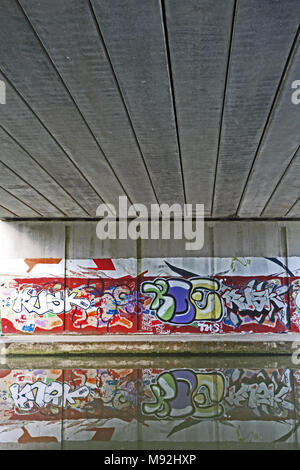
[131, 344]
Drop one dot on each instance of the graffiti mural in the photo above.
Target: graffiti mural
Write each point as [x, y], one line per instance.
[260, 301]
[44, 304]
[179, 301]
[255, 295]
[236, 303]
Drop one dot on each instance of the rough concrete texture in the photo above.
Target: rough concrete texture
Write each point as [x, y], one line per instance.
[141, 344]
[37, 239]
[140, 361]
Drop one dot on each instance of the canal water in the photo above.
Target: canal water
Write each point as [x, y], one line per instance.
[149, 403]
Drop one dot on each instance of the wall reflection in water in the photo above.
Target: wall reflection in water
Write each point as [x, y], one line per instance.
[147, 407]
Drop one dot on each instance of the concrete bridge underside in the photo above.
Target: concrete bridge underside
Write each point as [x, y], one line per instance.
[164, 101]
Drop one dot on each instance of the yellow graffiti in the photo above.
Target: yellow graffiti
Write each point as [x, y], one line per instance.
[212, 306]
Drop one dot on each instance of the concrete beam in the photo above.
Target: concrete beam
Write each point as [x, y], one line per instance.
[188, 344]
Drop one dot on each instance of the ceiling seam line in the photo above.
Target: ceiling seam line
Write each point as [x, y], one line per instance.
[54, 68]
[4, 218]
[75, 103]
[41, 166]
[280, 179]
[227, 75]
[121, 95]
[207, 219]
[20, 200]
[48, 131]
[30, 186]
[172, 89]
[270, 114]
[297, 200]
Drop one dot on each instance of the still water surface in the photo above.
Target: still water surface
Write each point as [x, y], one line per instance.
[149, 403]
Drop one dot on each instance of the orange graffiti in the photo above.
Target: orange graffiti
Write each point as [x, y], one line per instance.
[26, 437]
[32, 262]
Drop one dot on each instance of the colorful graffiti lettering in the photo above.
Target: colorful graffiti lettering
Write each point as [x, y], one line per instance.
[187, 302]
[44, 302]
[180, 301]
[257, 300]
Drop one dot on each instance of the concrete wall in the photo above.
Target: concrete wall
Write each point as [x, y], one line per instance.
[60, 277]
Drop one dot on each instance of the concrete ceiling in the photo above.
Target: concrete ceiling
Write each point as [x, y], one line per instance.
[169, 101]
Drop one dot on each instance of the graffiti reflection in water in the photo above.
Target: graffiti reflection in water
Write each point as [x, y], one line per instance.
[108, 407]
